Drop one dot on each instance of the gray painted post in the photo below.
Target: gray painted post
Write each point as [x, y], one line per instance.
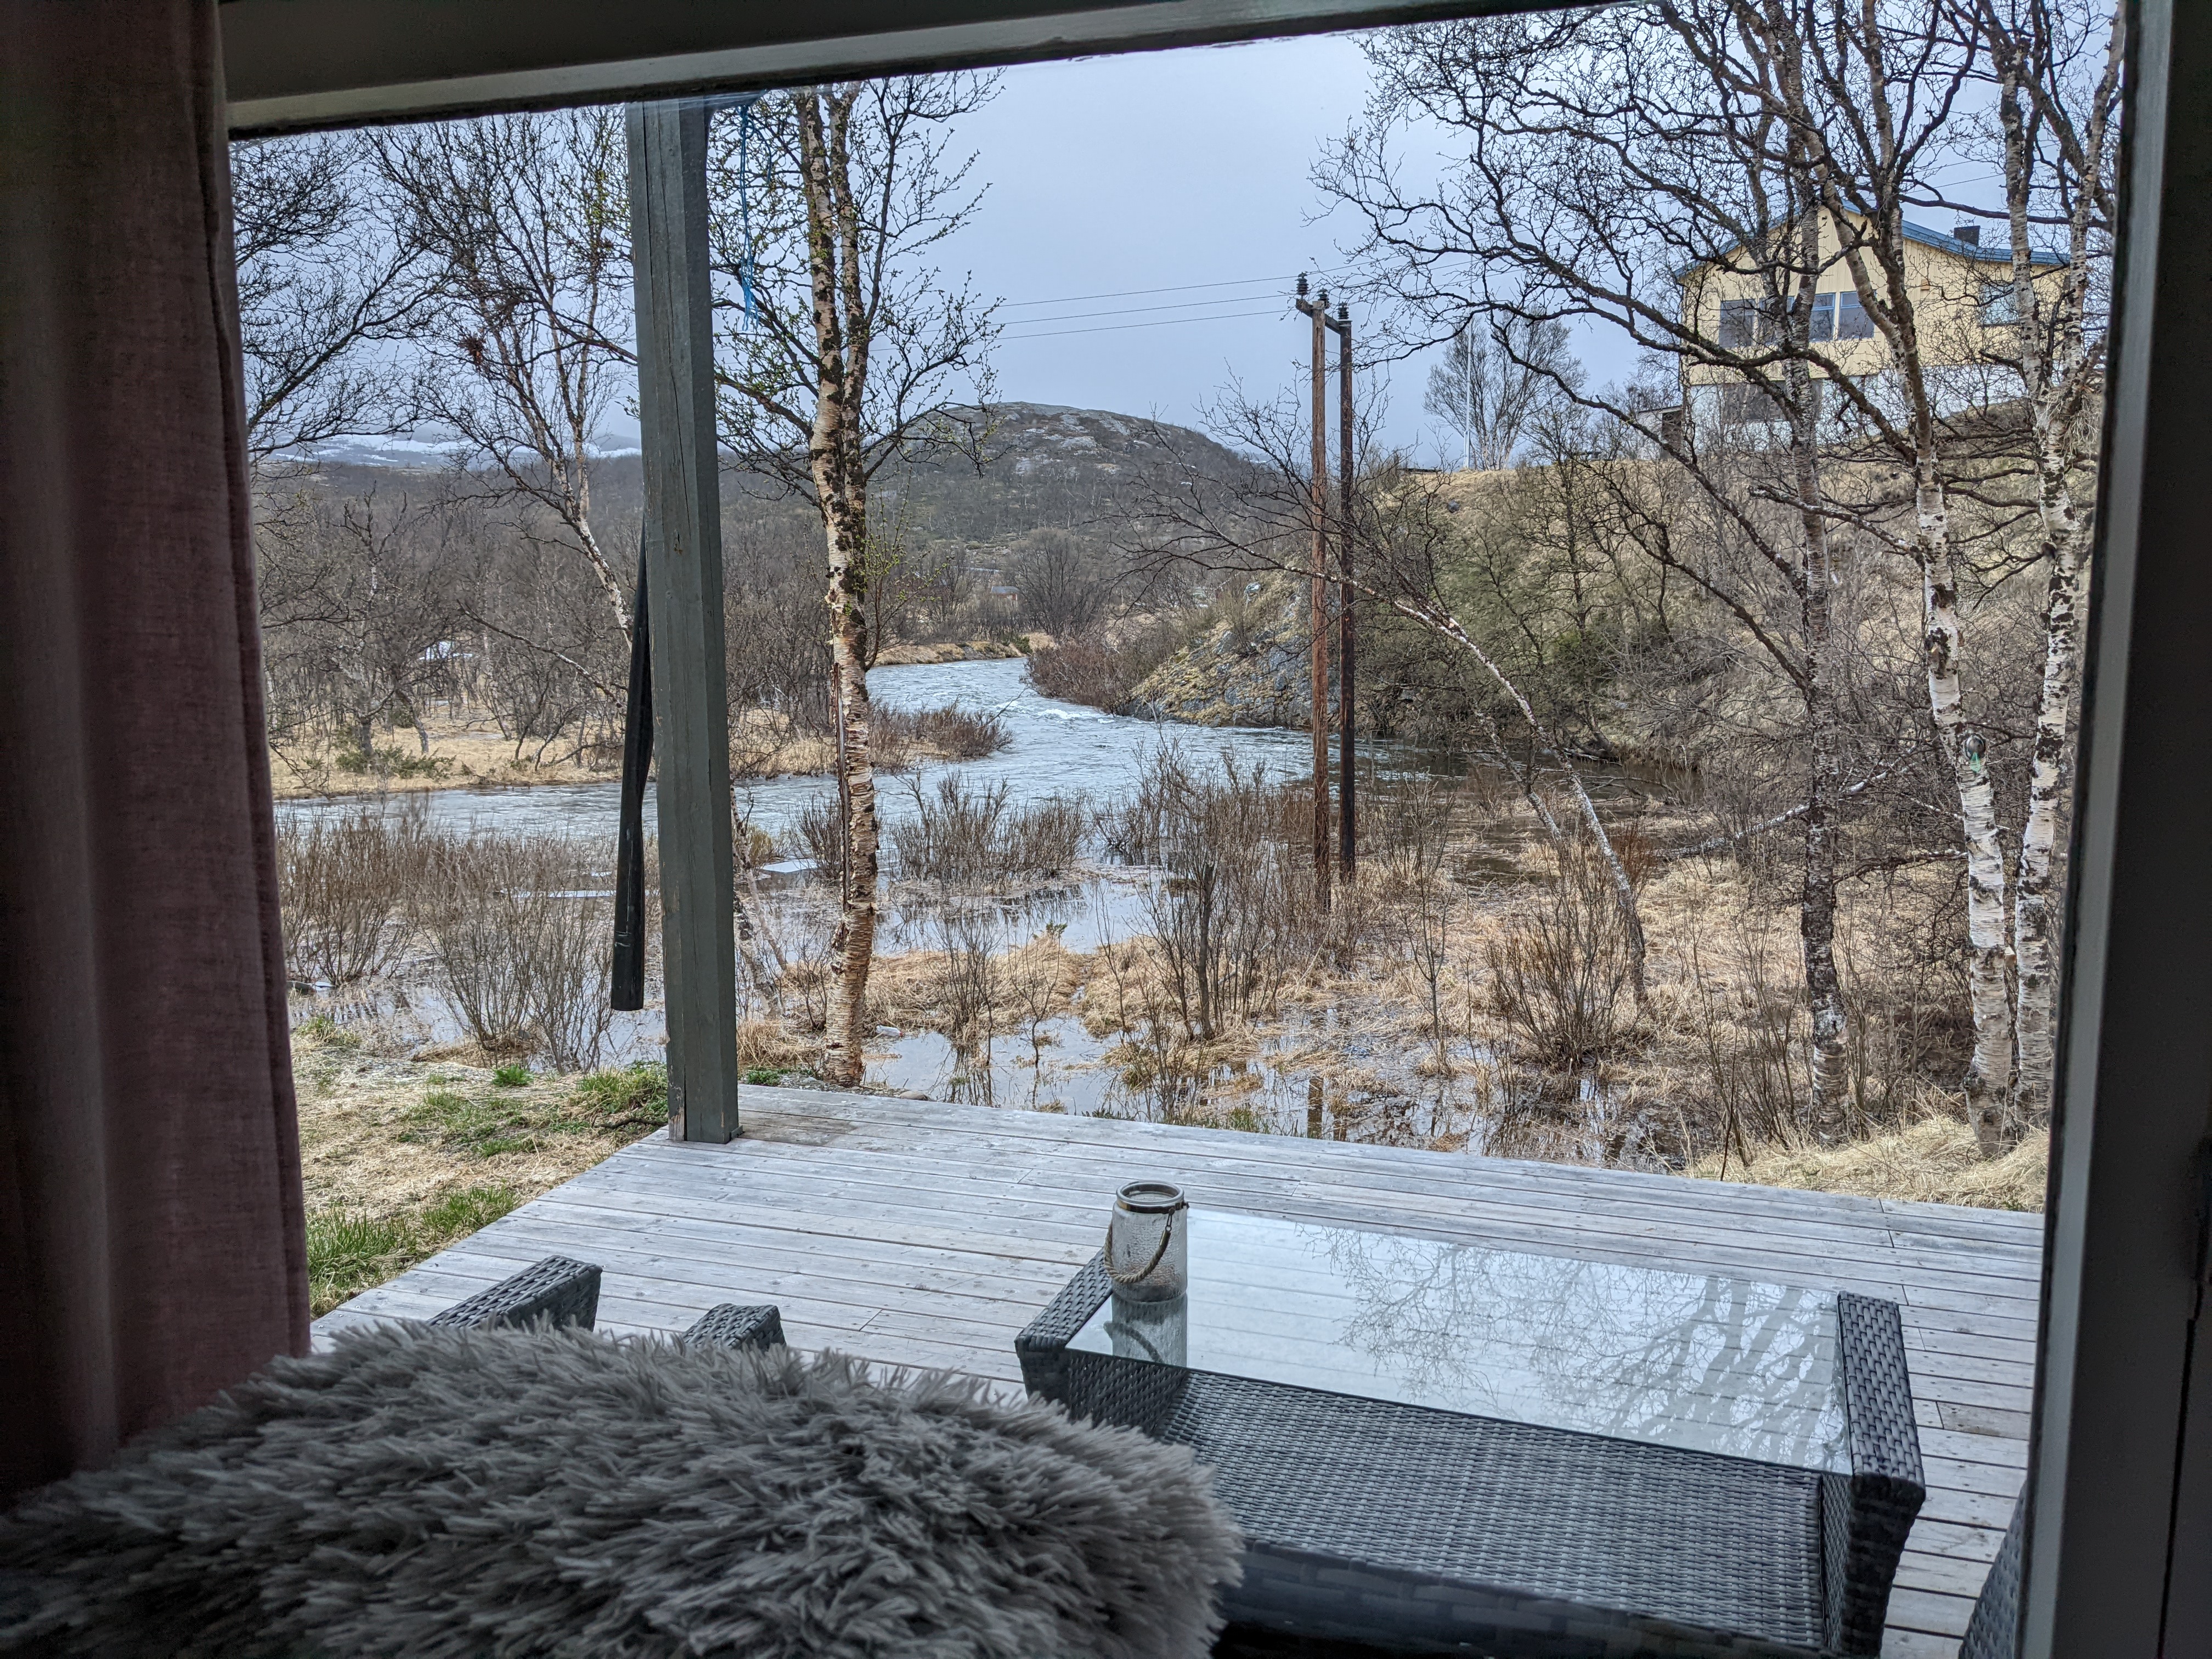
[684, 564]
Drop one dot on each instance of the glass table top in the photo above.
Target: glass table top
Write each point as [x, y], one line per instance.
[1697, 1361]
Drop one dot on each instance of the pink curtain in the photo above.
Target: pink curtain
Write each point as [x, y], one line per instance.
[151, 1248]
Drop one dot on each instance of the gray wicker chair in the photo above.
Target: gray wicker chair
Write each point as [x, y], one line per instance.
[1413, 1529]
[557, 1290]
[731, 1326]
[561, 1293]
[1993, 1632]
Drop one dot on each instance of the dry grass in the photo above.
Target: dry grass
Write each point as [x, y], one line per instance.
[399, 1155]
[471, 752]
[902, 655]
[1934, 1161]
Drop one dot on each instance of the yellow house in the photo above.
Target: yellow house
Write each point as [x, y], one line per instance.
[1965, 307]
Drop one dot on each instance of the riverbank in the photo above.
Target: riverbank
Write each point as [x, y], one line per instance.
[934, 655]
[466, 752]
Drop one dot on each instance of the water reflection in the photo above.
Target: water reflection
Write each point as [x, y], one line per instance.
[1702, 1361]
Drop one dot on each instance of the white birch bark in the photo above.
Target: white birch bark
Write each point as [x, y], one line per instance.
[1989, 1070]
[834, 466]
[2053, 361]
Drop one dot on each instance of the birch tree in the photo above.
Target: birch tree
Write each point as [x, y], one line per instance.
[1873, 110]
[329, 289]
[1605, 161]
[844, 350]
[2056, 68]
[526, 348]
[1497, 375]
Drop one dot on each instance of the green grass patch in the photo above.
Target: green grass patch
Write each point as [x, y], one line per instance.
[766, 1076]
[322, 1029]
[350, 1250]
[622, 1095]
[510, 1077]
[482, 1128]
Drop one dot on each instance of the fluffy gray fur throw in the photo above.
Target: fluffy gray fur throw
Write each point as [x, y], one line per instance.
[453, 1492]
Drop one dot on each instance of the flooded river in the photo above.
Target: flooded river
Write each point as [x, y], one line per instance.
[1055, 749]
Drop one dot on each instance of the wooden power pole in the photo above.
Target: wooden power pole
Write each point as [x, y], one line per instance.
[1347, 856]
[1317, 309]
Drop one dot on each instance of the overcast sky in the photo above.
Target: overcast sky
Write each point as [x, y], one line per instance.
[1158, 171]
[1146, 217]
[1112, 176]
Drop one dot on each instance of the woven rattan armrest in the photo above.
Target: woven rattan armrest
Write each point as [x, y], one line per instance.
[1866, 1515]
[557, 1291]
[733, 1326]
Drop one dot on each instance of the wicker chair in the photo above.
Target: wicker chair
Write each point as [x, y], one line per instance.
[1993, 1632]
[557, 1291]
[1410, 1528]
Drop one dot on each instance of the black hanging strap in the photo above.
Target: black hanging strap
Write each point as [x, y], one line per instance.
[629, 987]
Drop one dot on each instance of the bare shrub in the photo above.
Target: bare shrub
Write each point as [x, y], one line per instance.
[345, 884]
[820, 827]
[952, 732]
[1083, 671]
[1046, 839]
[519, 934]
[969, 995]
[964, 835]
[1237, 909]
[1562, 975]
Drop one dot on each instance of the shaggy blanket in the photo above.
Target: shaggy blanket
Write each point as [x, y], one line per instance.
[458, 1492]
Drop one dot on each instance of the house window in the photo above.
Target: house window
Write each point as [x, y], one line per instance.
[1748, 404]
[1852, 322]
[2000, 305]
[1824, 316]
[1746, 323]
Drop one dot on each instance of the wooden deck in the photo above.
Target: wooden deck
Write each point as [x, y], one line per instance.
[926, 1234]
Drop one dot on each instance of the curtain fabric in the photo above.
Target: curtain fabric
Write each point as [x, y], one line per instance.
[151, 1240]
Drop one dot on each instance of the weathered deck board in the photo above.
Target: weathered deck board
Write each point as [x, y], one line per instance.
[919, 1233]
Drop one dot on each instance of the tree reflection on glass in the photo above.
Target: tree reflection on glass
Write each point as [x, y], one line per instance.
[1722, 1364]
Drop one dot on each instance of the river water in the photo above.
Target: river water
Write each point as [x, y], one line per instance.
[1055, 749]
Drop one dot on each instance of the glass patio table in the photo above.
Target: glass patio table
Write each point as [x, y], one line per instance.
[1514, 1453]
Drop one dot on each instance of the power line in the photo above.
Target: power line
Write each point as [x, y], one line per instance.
[1131, 310]
[1157, 322]
[1173, 288]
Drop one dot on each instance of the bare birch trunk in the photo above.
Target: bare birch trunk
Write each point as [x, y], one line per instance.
[2049, 778]
[1989, 1072]
[2054, 366]
[1816, 907]
[617, 599]
[833, 465]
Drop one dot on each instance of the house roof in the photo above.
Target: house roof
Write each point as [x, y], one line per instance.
[2043, 259]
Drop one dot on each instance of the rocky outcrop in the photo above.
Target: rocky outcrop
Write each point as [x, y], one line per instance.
[1250, 669]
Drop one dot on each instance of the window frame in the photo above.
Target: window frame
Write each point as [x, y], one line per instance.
[2121, 1458]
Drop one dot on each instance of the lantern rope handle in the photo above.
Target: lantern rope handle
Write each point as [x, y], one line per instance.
[1167, 1238]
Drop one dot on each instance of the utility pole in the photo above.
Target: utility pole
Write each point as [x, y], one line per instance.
[1348, 858]
[1318, 310]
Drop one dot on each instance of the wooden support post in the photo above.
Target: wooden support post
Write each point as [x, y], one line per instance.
[1347, 853]
[683, 563]
[1318, 310]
